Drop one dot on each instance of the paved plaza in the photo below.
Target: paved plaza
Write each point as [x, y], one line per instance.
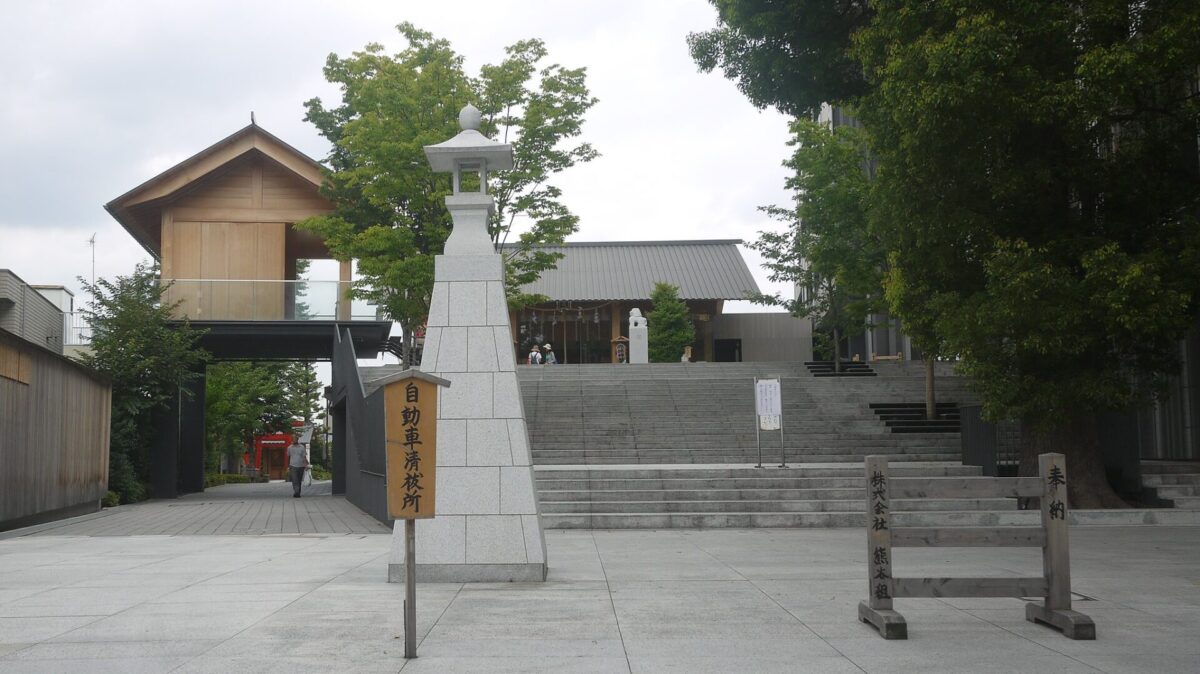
[260, 509]
[780, 600]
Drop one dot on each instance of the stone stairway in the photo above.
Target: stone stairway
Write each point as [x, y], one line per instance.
[674, 446]
[1174, 481]
[808, 495]
[690, 413]
[825, 368]
[909, 417]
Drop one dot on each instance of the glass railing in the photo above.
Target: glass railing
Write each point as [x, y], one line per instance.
[76, 330]
[252, 300]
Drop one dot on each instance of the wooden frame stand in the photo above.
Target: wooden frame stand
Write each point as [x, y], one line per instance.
[1054, 585]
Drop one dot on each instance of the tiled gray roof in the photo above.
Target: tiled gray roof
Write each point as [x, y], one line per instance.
[628, 270]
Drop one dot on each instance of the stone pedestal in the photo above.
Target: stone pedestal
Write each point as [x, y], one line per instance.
[639, 338]
[487, 527]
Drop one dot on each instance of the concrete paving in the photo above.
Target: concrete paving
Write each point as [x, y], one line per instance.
[266, 508]
[616, 601]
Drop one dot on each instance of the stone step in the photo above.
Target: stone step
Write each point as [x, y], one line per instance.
[551, 441]
[804, 470]
[1178, 492]
[604, 460]
[749, 454]
[695, 483]
[1168, 467]
[668, 419]
[766, 506]
[1161, 479]
[557, 494]
[1127, 517]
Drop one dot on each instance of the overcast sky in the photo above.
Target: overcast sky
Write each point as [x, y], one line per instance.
[96, 96]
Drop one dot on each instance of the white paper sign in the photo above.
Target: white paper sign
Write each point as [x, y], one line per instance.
[770, 422]
[766, 398]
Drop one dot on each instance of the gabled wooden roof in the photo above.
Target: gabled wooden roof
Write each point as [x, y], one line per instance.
[140, 209]
[628, 270]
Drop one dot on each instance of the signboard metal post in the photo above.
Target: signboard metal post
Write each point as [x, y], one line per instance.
[410, 433]
[768, 415]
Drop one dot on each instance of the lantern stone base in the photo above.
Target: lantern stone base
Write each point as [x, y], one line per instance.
[487, 526]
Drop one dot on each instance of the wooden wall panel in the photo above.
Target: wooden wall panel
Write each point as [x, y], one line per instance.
[214, 264]
[282, 189]
[242, 256]
[269, 296]
[237, 226]
[187, 242]
[232, 189]
[54, 434]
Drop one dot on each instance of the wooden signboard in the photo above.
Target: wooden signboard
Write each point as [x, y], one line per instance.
[410, 413]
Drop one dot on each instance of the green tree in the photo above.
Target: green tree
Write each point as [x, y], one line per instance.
[793, 55]
[148, 357]
[669, 325]
[303, 391]
[1037, 191]
[1039, 171]
[244, 399]
[390, 212]
[827, 250]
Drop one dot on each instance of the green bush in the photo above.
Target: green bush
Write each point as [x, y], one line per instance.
[123, 479]
[669, 325]
[217, 479]
[111, 500]
[320, 473]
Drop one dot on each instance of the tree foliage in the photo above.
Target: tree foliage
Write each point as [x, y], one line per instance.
[1039, 179]
[1037, 184]
[390, 212]
[244, 399]
[148, 357]
[790, 54]
[669, 325]
[828, 250]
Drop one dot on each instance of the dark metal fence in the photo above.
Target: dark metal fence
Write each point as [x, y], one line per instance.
[362, 449]
[993, 446]
[996, 446]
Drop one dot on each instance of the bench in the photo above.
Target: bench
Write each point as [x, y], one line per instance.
[1053, 585]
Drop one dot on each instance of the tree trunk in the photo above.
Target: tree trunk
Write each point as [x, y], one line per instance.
[410, 349]
[837, 351]
[1077, 439]
[930, 394]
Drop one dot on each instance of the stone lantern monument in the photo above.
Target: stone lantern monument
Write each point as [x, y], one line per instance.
[488, 527]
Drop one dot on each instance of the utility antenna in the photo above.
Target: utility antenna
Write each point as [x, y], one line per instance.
[252, 117]
[92, 244]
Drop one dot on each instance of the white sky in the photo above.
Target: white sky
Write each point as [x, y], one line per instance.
[97, 96]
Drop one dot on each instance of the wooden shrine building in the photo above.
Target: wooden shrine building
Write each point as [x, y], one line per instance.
[220, 224]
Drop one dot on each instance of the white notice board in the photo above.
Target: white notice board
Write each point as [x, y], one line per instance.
[766, 398]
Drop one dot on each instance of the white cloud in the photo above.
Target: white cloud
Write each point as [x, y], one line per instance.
[100, 96]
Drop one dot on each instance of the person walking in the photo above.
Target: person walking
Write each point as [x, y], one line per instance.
[535, 356]
[548, 355]
[297, 464]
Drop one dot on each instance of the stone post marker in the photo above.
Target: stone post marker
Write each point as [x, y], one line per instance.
[488, 527]
[639, 338]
